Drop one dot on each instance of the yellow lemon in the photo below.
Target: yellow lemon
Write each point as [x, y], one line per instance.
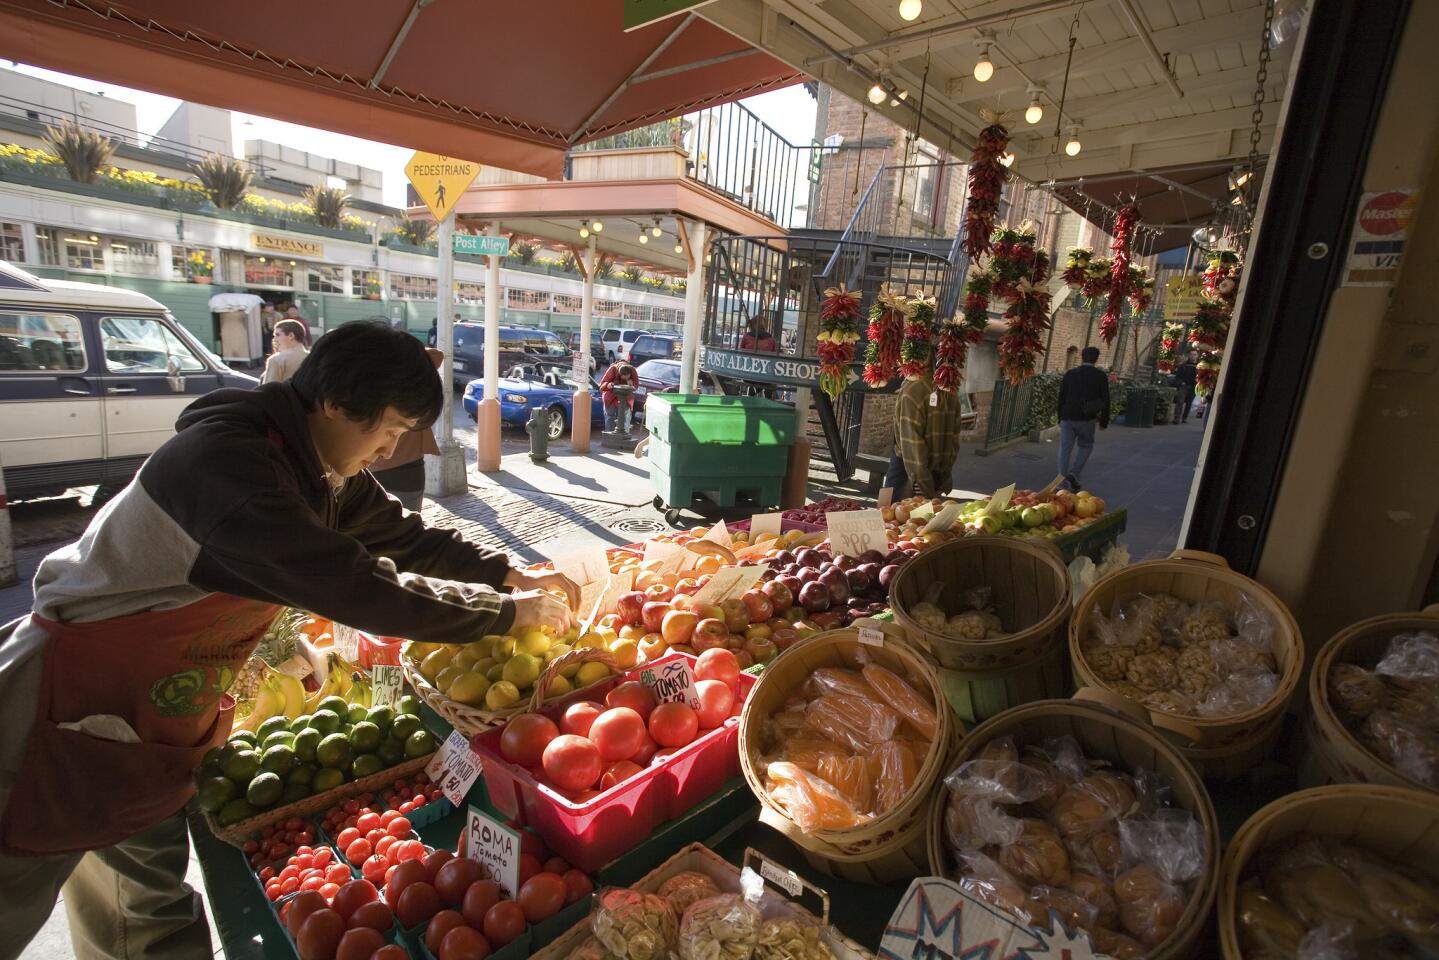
[447, 677]
[626, 653]
[593, 640]
[463, 660]
[589, 673]
[479, 649]
[495, 672]
[532, 643]
[558, 687]
[556, 651]
[482, 667]
[522, 670]
[419, 651]
[501, 695]
[571, 635]
[469, 688]
[434, 662]
[504, 648]
[608, 634]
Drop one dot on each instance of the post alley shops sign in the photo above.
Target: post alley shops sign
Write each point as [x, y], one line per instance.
[763, 367]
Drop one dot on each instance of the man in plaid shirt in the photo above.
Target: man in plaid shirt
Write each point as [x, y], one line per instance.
[926, 439]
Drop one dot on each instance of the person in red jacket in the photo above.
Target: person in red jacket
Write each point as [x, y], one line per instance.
[617, 390]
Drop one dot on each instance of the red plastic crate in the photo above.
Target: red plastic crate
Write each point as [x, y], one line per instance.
[591, 834]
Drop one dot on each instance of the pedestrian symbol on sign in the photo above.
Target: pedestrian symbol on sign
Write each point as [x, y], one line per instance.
[440, 180]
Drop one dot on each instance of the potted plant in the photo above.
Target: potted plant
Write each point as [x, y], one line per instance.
[200, 267]
[372, 289]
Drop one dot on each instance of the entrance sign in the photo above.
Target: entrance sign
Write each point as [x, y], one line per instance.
[642, 13]
[270, 243]
[1381, 229]
[1182, 298]
[440, 180]
[480, 244]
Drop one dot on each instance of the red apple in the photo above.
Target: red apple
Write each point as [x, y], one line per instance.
[779, 594]
[709, 634]
[758, 631]
[707, 611]
[678, 626]
[632, 631]
[760, 606]
[629, 605]
[652, 614]
[826, 619]
[735, 613]
[762, 649]
[744, 660]
[660, 592]
[611, 620]
[687, 586]
[784, 636]
[653, 646]
[794, 614]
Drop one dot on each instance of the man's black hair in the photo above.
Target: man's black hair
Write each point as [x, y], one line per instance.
[1089, 354]
[363, 367]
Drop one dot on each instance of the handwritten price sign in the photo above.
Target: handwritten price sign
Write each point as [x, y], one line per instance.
[672, 682]
[454, 767]
[495, 847]
[386, 682]
[852, 532]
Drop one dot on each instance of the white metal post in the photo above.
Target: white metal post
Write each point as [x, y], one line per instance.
[488, 419]
[694, 307]
[579, 418]
[445, 474]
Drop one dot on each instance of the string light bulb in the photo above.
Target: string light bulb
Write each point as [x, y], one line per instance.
[655, 231]
[1073, 147]
[983, 67]
[910, 9]
[597, 226]
[584, 232]
[1035, 111]
[644, 237]
[1007, 160]
[679, 248]
[876, 94]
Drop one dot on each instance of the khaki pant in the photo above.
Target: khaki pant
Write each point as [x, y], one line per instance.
[125, 902]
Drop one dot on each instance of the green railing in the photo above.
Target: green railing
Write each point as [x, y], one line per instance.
[1008, 413]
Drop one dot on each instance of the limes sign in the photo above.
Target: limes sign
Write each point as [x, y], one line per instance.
[440, 181]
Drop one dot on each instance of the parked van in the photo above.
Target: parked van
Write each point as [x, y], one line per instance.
[92, 380]
[618, 342]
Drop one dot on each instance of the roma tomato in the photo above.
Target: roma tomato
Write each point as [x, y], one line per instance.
[504, 922]
[319, 936]
[542, 896]
[417, 904]
[374, 915]
[411, 871]
[464, 943]
[577, 886]
[479, 898]
[441, 924]
[453, 880]
[359, 944]
[354, 895]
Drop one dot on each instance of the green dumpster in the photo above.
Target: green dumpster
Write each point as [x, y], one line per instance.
[1139, 406]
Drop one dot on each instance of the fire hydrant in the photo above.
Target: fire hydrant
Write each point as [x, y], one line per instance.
[538, 428]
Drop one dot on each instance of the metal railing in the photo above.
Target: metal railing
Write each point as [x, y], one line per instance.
[1008, 412]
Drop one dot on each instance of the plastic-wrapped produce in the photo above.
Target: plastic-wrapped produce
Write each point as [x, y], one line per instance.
[914, 708]
[894, 767]
[725, 927]
[633, 925]
[858, 722]
[1149, 906]
[1099, 892]
[811, 802]
[1094, 804]
[685, 889]
[851, 777]
[790, 938]
[839, 680]
[1409, 747]
[1036, 856]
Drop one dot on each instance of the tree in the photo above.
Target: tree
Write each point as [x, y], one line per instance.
[226, 179]
[85, 153]
[417, 233]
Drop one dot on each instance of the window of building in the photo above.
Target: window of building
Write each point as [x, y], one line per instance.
[12, 243]
[527, 299]
[181, 264]
[40, 342]
[144, 345]
[326, 279]
[366, 283]
[138, 257]
[564, 303]
[269, 272]
[84, 252]
[49, 246]
[637, 313]
[609, 308]
[927, 175]
[469, 293]
[405, 287]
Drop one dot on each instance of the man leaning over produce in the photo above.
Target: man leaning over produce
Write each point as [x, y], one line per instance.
[113, 688]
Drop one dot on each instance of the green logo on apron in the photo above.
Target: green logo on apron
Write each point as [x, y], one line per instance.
[176, 695]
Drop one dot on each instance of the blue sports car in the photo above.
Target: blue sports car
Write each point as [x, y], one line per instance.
[529, 387]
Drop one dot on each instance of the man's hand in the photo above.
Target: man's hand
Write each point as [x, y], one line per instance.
[536, 608]
[544, 580]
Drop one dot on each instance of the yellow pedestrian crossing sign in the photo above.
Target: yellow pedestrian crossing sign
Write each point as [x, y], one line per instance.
[440, 180]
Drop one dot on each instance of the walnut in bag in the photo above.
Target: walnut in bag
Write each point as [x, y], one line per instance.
[633, 925]
[1410, 748]
[1152, 672]
[683, 890]
[1205, 623]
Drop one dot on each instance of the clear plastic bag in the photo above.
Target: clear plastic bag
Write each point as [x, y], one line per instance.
[1099, 853]
[1170, 840]
[1099, 893]
[1237, 657]
[851, 777]
[894, 766]
[1037, 856]
[996, 774]
[1253, 624]
[686, 889]
[915, 709]
[811, 802]
[858, 722]
[1409, 747]
[1328, 942]
[1266, 928]
[1113, 944]
[1071, 909]
[1205, 622]
[1094, 804]
[1355, 691]
[984, 879]
[725, 927]
[1150, 907]
[1239, 694]
[1413, 657]
[791, 938]
[1065, 753]
[1402, 903]
[972, 824]
[633, 925]
[840, 680]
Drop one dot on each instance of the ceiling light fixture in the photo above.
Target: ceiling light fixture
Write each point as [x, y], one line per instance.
[1007, 160]
[910, 9]
[876, 94]
[1207, 236]
[584, 232]
[655, 231]
[983, 67]
[644, 237]
[1073, 147]
[597, 226]
[1035, 111]
[679, 248]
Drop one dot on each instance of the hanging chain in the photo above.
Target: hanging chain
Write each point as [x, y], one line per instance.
[1064, 89]
[1261, 76]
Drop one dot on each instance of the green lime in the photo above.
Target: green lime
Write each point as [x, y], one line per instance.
[302, 773]
[339, 706]
[365, 737]
[381, 716]
[294, 793]
[281, 738]
[278, 759]
[326, 779]
[242, 766]
[300, 723]
[264, 791]
[404, 725]
[213, 756]
[272, 725]
[243, 737]
[367, 764]
[235, 811]
[409, 704]
[333, 751]
[391, 751]
[420, 744]
[305, 743]
[215, 792]
[358, 712]
[208, 769]
[325, 720]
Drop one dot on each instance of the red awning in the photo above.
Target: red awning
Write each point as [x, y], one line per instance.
[507, 84]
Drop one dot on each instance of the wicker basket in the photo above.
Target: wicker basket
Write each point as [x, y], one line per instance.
[1227, 745]
[876, 841]
[237, 833]
[1333, 754]
[472, 720]
[1106, 731]
[1031, 594]
[1394, 821]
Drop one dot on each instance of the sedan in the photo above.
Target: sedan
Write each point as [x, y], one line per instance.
[518, 396]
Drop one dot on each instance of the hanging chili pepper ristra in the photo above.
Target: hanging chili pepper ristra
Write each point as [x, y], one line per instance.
[1096, 277]
[986, 183]
[839, 317]
[1076, 267]
[1125, 223]
[916, 352]
[886, 333]
[1169, 343]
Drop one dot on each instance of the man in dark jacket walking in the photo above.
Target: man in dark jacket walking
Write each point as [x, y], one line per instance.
[1184, 377]
[1083, 399]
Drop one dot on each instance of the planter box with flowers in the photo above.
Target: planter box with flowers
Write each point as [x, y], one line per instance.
[199, 267]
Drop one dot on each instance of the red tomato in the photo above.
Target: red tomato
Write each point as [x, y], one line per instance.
[615, 773]
[301, 907]
[338, 873]
[289, 886]
[398, 827]
[347, 836]
[374, 869]
[391, 951]
[417, 904]
[525, 737]
[375, 836]
[542, 896]
[529, 866]
[288, 871]
[412, 871]
[717, 663]
[435, 861]
[354, 895]
[573, 762]
[717, 702]
[441, 924]
[374, 915]
[312, 883]
[387, 816]
[557, 865]
[358, 851]
[367, 822]
[618, 733]
[531, 842]
[634, 695]
[454, 878]
[410, 850]
[478, 899]
[359, 944]
[577, 886]
[329, 890]
[322, 857]
[578, 717]
[674, 724]
[645, 753]
[464, 943]
[406, 807]
[504, 923]
[319, 935]
[384, 845]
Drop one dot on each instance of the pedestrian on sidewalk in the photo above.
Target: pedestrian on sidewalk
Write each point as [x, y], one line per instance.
[617, 391]
[290, 352]
[1083, 401]
[1184, 377]
[292, 312]
[926, 439]
[113, 688]
[402, 474]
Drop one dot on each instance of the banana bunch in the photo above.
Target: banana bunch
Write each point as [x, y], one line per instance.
[337, 683]
[279, 694]
[361, 691]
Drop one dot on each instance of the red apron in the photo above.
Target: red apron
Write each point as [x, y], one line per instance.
[165, 672]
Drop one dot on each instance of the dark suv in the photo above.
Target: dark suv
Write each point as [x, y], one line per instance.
[654, 346]
[517, 345]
